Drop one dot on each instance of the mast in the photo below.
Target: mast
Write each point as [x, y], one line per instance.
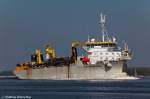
[102, 23]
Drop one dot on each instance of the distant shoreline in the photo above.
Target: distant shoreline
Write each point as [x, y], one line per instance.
[8, 77]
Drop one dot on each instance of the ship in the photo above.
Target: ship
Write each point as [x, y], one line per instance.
[103, 58]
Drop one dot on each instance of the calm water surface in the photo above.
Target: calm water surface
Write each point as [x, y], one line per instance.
[72, 89]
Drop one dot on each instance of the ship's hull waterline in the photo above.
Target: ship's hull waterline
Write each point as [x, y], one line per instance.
[77, 71]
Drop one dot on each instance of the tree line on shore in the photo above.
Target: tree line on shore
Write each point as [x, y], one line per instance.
[139, 71]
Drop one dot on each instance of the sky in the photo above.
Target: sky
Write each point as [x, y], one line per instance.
[29, 24]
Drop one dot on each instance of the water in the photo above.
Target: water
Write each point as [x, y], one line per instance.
[56, 89]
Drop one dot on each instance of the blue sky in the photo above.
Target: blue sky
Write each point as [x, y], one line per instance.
[28, 24]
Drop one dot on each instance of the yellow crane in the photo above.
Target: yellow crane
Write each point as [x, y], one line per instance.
[49, 52]
[39, 56]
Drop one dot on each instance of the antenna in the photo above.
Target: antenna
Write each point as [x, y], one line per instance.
[88, 38]
[102, 18]
[102, 23]
[88, 33]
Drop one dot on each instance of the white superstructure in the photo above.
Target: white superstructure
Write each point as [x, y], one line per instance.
[106, 50]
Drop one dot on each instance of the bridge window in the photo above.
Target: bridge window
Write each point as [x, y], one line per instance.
[106, 58]
[118, 54]
[92, 46]
[101, 53]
